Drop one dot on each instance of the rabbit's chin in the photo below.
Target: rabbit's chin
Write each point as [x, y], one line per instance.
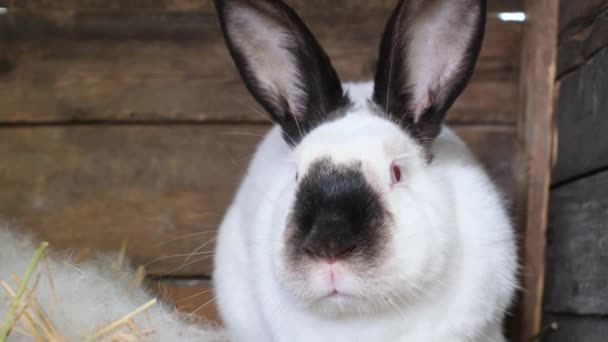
[341, 305]
[344, 290]
[336, 304]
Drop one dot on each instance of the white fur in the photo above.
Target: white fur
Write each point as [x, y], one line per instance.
[90, 296]
[451, 271]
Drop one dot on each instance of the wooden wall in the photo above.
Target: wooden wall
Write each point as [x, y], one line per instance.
[126, 120]
[576, 293]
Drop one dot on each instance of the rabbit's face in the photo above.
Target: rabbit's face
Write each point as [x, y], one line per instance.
[366, 230]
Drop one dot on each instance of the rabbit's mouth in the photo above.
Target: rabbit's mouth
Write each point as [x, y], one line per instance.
[338, 290]
[328, 289]
[338, 298]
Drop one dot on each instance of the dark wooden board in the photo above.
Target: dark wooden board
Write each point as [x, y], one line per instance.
[206, 5]
[573, 14]
[584, 31]
[577, 257]
[158, 67]
[572, 328]
[582, 120]
[150, 185]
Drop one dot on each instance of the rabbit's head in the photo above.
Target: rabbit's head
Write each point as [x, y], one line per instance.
[371, 225]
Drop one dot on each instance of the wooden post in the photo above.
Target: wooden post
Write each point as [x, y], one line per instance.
[535, 135]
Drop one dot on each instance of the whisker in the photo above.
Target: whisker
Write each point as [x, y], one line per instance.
[174, 256]
[265, 117]
[186, 265]
[194, 296]
[232, 160]
[184, 237]
[201, 307]
[252, 109]
[200, 247]
[244, 134]
[249, 156]
[298, 126]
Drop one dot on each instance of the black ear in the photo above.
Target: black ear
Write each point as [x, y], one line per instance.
[427, 57]
[282, 64]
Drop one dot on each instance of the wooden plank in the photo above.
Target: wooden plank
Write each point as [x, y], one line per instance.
[574, 14]
[582, 103]
[577, 328]
[577, 257]
[134, 67]
[161, 188]
[584, 26]
[96, 186]
[191, 297]
[198, 5]
[537, 82]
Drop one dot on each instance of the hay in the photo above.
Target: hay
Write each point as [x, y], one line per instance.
[124, 321]
[16, 302]
[27, 317]
[44, 303]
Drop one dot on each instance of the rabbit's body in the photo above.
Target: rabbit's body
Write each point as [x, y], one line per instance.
[361, 217]
[477, 283]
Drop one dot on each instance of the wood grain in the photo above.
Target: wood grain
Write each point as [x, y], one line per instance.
[537, 83]
[95, 186]
[573, 328]
[574, 14]
[158, 67]
[583, 32]
[206, 5]
[577, 258]
[582, 104]
[575, 294]
[163, 189]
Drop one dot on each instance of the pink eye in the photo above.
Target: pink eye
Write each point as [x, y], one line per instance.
[396, 173]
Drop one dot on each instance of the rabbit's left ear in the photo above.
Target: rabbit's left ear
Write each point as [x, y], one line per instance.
[427, 57]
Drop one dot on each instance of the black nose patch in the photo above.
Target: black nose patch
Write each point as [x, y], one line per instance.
[337, 214]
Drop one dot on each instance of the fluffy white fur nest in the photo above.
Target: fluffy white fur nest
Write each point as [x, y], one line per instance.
[90, 296]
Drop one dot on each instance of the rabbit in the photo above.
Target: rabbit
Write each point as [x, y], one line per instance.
[362, 217]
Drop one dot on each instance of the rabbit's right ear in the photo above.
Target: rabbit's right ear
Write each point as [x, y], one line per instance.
[282, 64]
[427, 57]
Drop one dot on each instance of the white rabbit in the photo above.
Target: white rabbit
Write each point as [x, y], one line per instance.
[361, 217]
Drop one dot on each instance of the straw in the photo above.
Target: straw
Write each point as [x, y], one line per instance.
[123, 321]
[10, 315]
[28, 318]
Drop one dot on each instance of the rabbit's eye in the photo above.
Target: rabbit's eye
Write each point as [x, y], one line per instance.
[396, 173]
